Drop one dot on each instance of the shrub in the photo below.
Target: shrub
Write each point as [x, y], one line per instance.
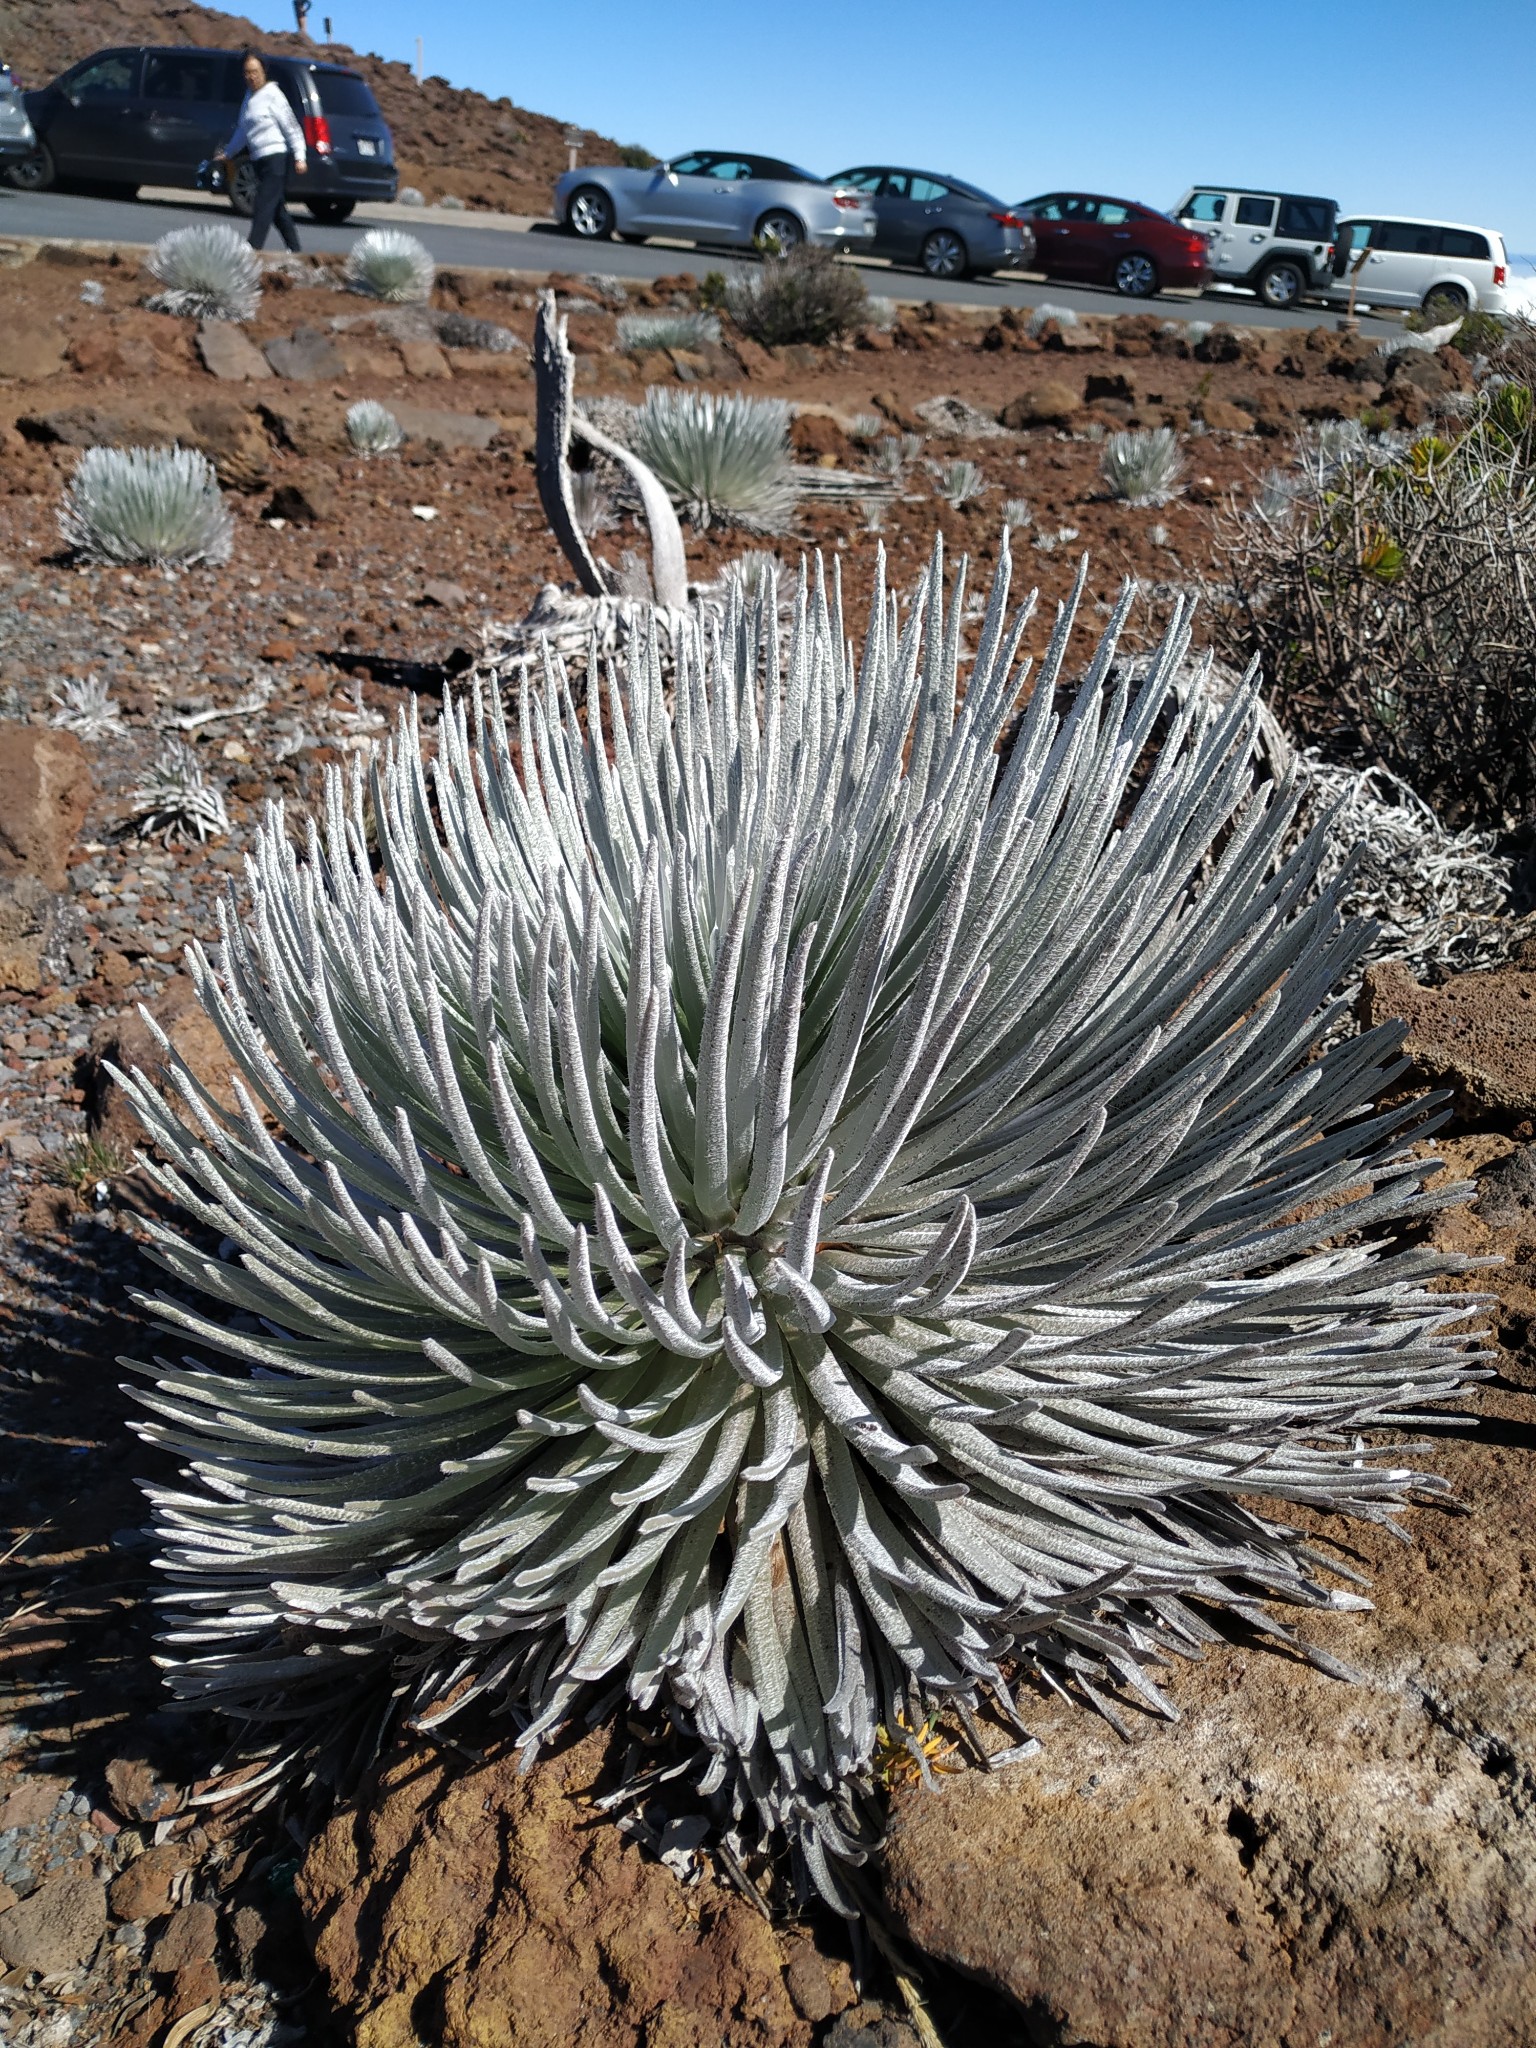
[85, 705]
[640, 333]
[724, 461]
[1143, 467]
[155, 505]
[1388, 591]
[372, 428]
[807, 295]
[637, 158]
[787, 1216]
[389, 265]
[208, 272]
[176, 802]
[408, 195]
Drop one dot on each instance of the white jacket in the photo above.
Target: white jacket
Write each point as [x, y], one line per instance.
[267, 126]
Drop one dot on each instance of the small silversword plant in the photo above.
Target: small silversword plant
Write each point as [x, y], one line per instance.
[156, 505]
[1143, 466]
[725, 461]
[960, 482]
[208, 273]
[372, 428]
[641, 333]
[388, 264]
[176, 801]
[773, 1207]
[85, 705]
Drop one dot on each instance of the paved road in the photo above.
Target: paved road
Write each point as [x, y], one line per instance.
[504, 243]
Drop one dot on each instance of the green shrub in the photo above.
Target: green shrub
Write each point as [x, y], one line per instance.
[808, 295]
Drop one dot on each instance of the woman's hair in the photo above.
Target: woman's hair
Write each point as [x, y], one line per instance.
[249, 56]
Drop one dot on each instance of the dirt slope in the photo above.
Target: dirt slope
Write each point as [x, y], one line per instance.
[448, 139]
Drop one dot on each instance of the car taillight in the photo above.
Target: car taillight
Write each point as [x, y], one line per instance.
[1006, 220]
[317, 133]
[847, 199]
[1500, 273]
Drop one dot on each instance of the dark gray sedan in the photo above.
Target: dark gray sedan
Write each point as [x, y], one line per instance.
[945, 226]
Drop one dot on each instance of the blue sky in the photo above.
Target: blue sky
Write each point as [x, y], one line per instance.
[1397, 105]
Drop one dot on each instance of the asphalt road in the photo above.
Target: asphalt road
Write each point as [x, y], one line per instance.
[501, 243]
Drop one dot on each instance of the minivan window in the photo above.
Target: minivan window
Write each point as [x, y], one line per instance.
[1308, 220]
[343, 92]
[1462, 242]
[111, 78]
[1206, 206]
[1406, 238]
[178, 75]
[1354, 234]
[1255, 213]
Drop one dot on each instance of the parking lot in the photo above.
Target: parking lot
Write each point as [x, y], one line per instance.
[506, 242]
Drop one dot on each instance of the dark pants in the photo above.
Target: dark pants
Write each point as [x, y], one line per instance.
[270, 210]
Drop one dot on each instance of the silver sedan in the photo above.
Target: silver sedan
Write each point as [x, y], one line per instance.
[713, 196]
[16, 137]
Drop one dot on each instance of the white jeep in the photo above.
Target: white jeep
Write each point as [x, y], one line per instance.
[1278, 244]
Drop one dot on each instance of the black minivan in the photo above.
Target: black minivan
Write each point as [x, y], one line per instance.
[131, 117]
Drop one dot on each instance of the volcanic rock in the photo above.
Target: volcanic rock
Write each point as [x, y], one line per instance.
[45, 791]
[1475, 1035]
[478, 1904]
[1050, 403]
[229, 354]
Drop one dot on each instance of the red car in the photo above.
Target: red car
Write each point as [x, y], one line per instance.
[1094, 240]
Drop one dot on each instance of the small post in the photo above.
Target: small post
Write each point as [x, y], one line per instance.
[420, 63]
[574, 138]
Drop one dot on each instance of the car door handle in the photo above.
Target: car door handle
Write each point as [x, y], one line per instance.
[1256, 238]
[1121, 235]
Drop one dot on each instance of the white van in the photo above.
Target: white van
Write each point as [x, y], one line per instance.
[1394, 261]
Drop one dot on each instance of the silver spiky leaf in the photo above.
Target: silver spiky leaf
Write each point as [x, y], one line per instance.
[156, 505]
[208, 271]
[85, 705]
[724, 460]
[781, 1209]
[390, 265]
[1143, 465]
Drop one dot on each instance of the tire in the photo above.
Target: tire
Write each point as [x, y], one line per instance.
[779, 225]
[1450, 296]
[34, 173]
[944, 254]
[1282, 285]
[1136, 276]
[330, 212]
[589, 214]
[241, 185]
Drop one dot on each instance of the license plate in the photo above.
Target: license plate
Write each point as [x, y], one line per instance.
[366, 146]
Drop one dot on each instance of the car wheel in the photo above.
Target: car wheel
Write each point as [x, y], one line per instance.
[589, 213]
[330, 212]
[1447, 302]
[781, 228]
[944, 254]
[1282, 285]
[34, 173]
[1136, 276]
[242, 187]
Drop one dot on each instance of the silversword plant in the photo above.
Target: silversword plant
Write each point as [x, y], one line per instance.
[156, 505]
[208, 273]
[390, 265]
[1143, 465]
[176, 801]
[1044, 314]
[460, 330]
[641, 333]
[724, 461]
[372, 428]
[770, 1207]
[85, 705]
[959, 482]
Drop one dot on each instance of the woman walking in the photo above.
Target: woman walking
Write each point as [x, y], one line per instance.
[268, 132]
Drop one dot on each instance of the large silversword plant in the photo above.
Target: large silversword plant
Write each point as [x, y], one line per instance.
[788, 1209]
